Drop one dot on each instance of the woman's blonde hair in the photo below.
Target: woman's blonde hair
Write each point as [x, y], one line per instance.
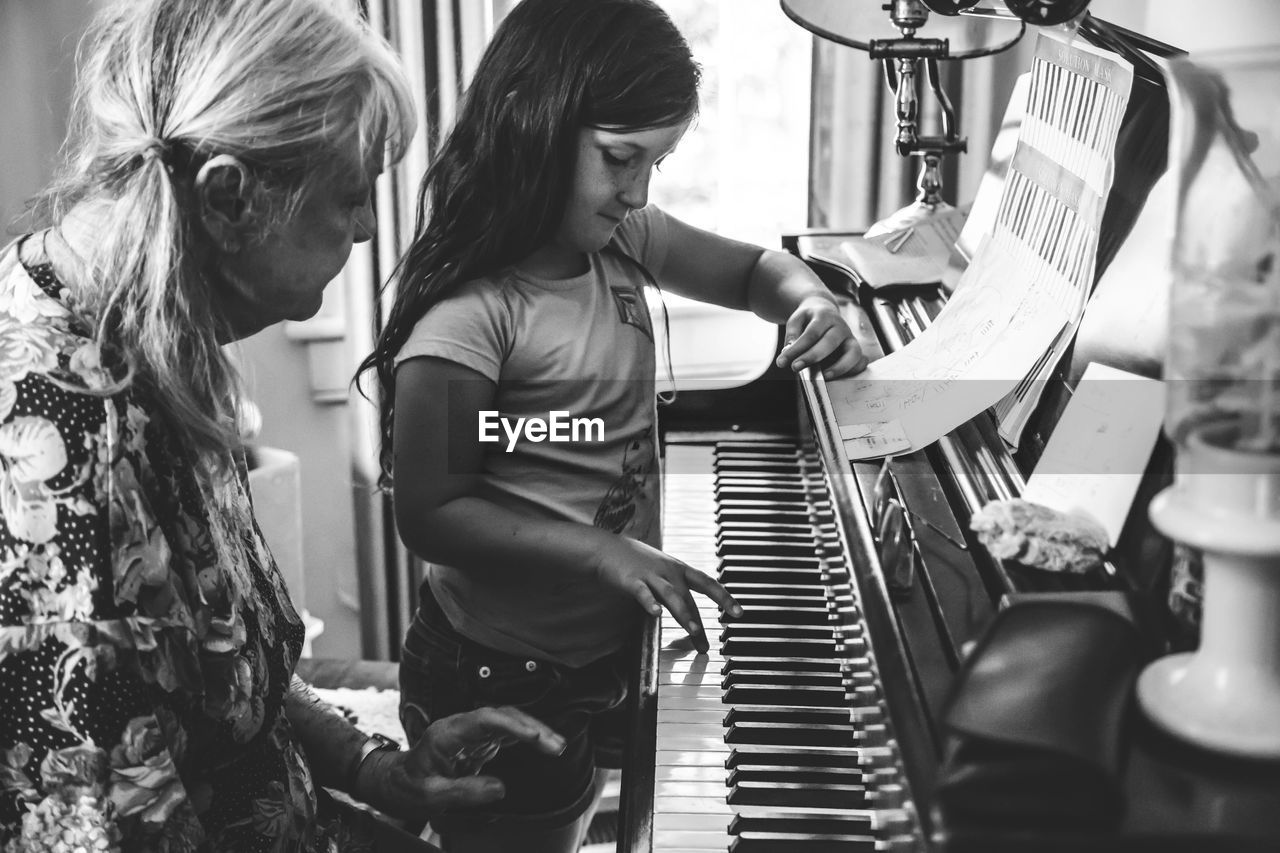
[163, 86]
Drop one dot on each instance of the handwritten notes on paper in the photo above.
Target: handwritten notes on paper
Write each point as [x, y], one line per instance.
[1029, 278]
[916, 254]
[1095, 458]
[956, 368]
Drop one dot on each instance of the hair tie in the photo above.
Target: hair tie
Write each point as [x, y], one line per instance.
[156, 149]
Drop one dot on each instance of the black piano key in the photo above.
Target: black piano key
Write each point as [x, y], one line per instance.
[776, 678]
[813, 734]
[761, 530]
[800, 794]
[824, 697]
[742, 484]
[801, 714]
[794, 664]
[780, 493]
[747, 628]
[782, 609]
[765, 548]
[781, 576]
[800, 842]
[790, 595]
[763, 755]
[809, 563]
[815, 823]
[780, 647]
[868, 777]
[785, 734]
[739, 509]
[739, 468]
[796, 516]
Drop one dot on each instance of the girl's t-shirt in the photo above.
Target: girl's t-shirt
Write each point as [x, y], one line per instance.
[572, 436]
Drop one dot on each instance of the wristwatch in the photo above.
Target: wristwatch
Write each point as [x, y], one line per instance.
[374, 742]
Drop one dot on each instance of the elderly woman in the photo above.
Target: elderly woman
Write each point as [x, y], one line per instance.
[219, 170]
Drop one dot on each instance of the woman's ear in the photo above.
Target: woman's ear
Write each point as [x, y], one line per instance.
[227, 202]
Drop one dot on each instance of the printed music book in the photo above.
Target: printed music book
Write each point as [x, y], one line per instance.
[916, 254]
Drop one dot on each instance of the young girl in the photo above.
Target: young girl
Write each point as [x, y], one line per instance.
[522, 296]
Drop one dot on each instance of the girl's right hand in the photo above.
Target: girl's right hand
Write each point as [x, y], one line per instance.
[658, 580]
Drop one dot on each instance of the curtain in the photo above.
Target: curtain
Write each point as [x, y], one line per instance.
[440, 43]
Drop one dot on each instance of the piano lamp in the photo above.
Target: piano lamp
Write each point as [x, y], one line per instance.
[891, 32]
[1222, 369]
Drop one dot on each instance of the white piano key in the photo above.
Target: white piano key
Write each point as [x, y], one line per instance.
[663, 804]
[693, 773]
[711, 757]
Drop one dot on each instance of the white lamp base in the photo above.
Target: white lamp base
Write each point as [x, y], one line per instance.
[1222, 709]
[1225, 696]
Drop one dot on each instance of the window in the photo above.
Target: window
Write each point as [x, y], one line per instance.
[741, 171]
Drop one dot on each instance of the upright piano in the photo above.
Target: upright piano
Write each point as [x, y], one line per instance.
[815, 724]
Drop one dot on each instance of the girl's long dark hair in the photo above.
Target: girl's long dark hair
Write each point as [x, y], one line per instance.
[499, 185]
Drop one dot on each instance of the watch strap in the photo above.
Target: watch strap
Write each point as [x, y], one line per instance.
[374, 742]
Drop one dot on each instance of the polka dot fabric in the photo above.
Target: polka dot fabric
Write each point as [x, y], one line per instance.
[142, 681]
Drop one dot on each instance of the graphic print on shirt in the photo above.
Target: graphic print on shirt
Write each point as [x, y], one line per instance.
[632, 309]
[618, 508]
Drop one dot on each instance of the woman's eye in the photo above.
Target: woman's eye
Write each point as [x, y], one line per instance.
[615, 160]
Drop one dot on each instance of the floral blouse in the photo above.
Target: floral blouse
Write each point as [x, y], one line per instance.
[141, 682]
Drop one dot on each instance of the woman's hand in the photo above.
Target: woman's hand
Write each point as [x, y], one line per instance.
[439, 772]
[817, 335]
[658, 580]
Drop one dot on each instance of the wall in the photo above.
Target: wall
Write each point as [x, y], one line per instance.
[279, 383]
[37, 44]
[1226, 24]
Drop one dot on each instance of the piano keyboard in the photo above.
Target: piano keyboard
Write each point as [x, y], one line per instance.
[776, 741]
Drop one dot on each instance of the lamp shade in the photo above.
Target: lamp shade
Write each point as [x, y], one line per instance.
[981, 31]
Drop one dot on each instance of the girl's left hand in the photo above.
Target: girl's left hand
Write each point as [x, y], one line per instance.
[817, 335]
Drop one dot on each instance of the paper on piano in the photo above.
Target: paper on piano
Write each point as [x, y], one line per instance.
[913, 255]
[986, 202]
[972, 354]
[1027, 283]
[1099, 449]
[1074, 104]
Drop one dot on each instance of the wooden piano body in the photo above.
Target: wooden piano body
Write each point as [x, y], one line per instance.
[698, 777]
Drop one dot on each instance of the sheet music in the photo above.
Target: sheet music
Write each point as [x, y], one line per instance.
[1097, 454]
[1028, 281]
[1075, 102]
[982, 212]
[913, 255]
